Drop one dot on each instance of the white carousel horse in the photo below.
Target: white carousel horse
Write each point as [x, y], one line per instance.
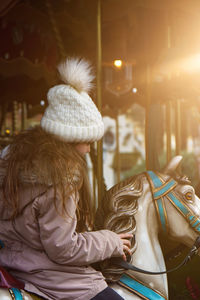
[143, 205]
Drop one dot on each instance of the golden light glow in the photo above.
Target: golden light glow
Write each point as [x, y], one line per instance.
[118, 63]
[192, 63]
[175, 67]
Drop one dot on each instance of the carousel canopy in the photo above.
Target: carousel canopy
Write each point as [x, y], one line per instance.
[155, 35]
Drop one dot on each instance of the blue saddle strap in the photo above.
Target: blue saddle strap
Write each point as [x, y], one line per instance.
[15, 294]
[139, 288]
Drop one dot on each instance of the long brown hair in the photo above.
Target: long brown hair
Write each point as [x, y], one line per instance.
[43, 158]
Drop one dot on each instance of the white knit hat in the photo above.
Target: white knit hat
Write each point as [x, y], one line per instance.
[71, 114]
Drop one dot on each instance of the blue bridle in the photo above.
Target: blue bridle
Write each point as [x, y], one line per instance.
[161, 189]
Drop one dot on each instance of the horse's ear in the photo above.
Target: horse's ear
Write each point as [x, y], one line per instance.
[173, 164]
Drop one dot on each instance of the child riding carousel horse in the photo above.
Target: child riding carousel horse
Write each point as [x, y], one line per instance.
[45, 201]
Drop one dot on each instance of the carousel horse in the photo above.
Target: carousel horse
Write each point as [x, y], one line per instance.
[144, 205]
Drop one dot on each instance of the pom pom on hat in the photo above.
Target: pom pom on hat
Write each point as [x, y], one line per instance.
[71, 114]
[77, 73]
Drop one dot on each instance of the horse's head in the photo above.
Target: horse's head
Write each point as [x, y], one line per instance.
[177, 206]
[140, 198]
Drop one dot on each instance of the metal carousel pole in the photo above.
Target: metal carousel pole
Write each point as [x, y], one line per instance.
[178, 126]
[168, 104]
[118, 162]
[168, 129]
[99, 103]
[148, 100]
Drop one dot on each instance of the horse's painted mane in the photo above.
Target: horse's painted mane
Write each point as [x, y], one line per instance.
[120, 202]
[116, 213]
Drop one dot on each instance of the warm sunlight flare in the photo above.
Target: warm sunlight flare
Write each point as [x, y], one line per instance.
[191, 64]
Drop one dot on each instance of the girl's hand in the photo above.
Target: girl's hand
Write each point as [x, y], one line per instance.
[126, 244]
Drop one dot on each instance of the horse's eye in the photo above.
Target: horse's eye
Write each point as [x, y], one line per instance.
[188, 196]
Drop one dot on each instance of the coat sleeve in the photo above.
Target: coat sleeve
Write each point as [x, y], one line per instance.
[64, 245]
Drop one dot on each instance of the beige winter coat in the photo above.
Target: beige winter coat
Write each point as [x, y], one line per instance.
[44, 250]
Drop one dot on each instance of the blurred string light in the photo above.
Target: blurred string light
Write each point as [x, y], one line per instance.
[118, 63]
[7, 131]
[42, 102]
[134, 90]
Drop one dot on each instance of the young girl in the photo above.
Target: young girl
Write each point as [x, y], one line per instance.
[45, 204]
